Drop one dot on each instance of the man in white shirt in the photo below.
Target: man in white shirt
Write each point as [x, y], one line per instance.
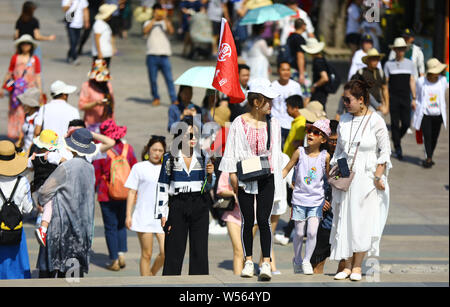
[77, 17]
[287, 24]
[414, 53]
[57, 114]
[285, 87]
[357, 63]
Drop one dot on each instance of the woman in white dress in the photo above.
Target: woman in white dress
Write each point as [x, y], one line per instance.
[143, 181]
[257, 53]
[360, 213]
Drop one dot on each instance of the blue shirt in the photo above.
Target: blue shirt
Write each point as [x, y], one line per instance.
[175, 111]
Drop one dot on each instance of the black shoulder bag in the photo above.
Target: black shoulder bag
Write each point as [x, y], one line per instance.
[10, 219]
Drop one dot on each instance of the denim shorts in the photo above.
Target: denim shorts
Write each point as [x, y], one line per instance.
[300, 213]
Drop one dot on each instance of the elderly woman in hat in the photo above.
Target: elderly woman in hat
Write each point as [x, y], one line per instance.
[71, 189]
[96, 96]
[14, 262]
[431, 109]
[113, 209]
[24, 72]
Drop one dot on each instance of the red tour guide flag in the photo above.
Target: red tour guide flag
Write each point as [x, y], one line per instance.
[226, 77]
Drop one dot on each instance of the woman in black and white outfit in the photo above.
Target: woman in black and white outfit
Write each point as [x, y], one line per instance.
[248, 138]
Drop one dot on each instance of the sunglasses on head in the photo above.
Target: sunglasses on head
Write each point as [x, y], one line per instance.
[158, 137]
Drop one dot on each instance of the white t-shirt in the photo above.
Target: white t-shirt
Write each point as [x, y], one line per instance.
[76, 6]
[22, 196]
[287, 25]
[353, 21]
[215, 10]
[157, 41]
[102, 28]
[143, 178]
[279, 107]
[28, 130]
[432, 98]
[57, 115]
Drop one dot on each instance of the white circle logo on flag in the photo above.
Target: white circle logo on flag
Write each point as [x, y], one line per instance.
[224, 52]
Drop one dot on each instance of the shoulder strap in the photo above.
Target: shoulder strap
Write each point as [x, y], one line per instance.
[357, 147]
[124, 153]
[268, 131]
[12, 193]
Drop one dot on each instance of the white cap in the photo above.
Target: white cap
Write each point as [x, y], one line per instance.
[59, 87]
[262, 86]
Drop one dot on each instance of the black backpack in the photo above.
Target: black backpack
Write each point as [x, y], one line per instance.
[334, 81]
[10, 219]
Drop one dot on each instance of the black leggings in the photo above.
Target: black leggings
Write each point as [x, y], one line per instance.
[431, 127]
[264, 204]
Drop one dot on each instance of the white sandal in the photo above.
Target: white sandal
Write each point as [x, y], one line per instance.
[341, 276]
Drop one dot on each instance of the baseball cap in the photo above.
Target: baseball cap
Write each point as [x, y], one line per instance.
[59, 87]
[262, 86]
[367, 38]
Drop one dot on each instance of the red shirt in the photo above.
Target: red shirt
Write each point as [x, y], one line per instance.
[102, 171]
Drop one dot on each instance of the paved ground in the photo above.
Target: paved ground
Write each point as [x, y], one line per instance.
[415, 245]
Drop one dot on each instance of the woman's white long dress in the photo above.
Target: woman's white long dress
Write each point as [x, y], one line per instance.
[360, 214]
[257, 59]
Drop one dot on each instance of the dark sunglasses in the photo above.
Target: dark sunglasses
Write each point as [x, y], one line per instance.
[346, 99]
[313, 131]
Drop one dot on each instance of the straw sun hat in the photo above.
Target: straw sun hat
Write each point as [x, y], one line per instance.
[313, 46]
[30, 97]
[399, 42]
[105, 10]
[26, 38]
[11, 164]
[48, 139]
[313, 111]
[434, 66]
[372, 53]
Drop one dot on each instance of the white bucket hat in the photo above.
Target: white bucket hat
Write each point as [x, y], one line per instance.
[105, 10]
[262, 86]
[434, 66]
[26, 38]
[59, 87]
[30, 97]
[313, 46]
[399, 42]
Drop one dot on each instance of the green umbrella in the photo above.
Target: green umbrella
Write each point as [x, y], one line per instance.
[199, 76]
[266, 13]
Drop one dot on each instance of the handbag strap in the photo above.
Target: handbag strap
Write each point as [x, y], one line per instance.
[357, 147]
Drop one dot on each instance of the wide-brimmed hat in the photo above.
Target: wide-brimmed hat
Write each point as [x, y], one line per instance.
[110, 129]
[313, 46]
[11, 164]
[372, 53]
[435, 67]
[59, 87]
[48, 139]
[99, 71]
[221, 115]
[81, 142]
[313, 111]
[30, 97]
[399, 42]
[105, 10]
[262, 86]
[322, 125]
[26, 38]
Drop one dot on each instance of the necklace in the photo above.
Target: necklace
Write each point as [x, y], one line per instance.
[350, 144]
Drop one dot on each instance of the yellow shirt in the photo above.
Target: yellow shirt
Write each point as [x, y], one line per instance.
[297, 133]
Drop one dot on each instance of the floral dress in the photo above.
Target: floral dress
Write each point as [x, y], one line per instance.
[17, 67]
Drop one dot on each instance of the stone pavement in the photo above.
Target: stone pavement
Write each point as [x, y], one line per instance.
[415, 245]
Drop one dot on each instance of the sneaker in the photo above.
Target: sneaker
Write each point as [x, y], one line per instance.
[280, 239]
[113, 266]
[265, 273]
[76, 62]
[41, 236]
[427, 164]
[277, 272]
[409, 131]
[156, 102]
[122, 263]
[399, 154]
[297, 267]
[307, 268]
[249, 269]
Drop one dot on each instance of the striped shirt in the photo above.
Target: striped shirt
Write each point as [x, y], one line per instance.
[178, 179]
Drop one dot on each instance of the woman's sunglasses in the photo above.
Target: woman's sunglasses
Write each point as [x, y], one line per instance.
[346, 100]
[313, 131]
